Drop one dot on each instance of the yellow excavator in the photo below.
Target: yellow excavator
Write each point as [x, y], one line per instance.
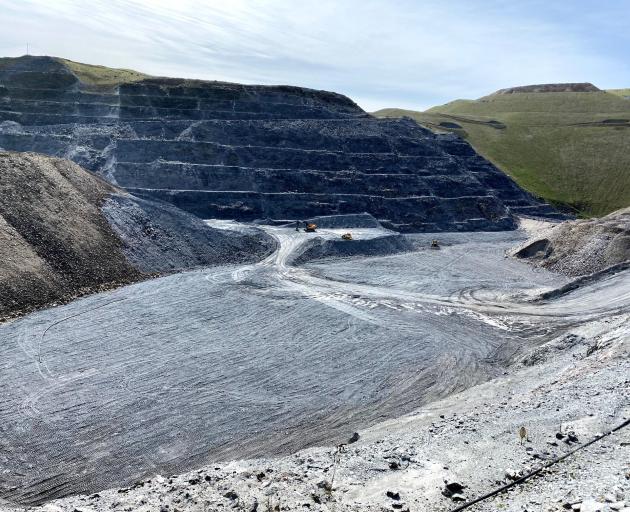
[346, 236]
[310, 227]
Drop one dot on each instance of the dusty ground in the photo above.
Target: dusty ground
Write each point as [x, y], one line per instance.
[575, 385]
[315, 353]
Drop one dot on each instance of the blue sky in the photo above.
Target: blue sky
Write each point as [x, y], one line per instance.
[412, 54]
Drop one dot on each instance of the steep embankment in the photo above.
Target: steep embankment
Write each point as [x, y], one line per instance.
[247, 152]
[581, 247]
[56, 241]
[567, 143]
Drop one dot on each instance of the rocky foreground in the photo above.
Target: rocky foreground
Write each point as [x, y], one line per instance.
[580, 247]
[565, 393]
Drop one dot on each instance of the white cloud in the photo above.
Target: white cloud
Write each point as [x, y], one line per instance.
[381, 53]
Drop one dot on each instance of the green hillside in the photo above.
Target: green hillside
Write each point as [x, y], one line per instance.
[571, 148]
[100, 75]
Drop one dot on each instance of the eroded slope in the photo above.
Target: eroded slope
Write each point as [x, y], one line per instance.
[581, 247]
[65, 231]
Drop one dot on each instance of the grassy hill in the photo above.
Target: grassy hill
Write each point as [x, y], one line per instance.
[100, 75]
[571, 148]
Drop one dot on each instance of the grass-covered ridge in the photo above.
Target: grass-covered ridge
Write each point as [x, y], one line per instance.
[103, 76]
[572, 148]
[624, 93]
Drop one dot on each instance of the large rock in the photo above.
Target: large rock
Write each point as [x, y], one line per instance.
[247, 152]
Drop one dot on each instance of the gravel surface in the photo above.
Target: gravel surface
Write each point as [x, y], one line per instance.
[269, 358]
[471, 438]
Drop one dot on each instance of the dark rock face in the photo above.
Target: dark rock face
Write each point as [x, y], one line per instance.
[256, 152]
[157, 237]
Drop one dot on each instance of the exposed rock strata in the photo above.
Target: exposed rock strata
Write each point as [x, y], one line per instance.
[223, 150]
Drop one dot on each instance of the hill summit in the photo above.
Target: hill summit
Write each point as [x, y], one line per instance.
[566, 143]
[247, 152]
[575, 87]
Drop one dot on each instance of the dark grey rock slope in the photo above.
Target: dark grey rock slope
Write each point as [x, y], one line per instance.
[65, 232]
[246, 152]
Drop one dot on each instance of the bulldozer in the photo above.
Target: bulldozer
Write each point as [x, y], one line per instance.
[310, 227]
[346, 236]
[435, 244]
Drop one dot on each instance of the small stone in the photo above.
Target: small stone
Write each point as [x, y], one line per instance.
[511, 474]
[618, 505]
[354, 438]
[591, 506]
[231, 495]
[458, 497]
[454, 487]
[393, 495]
[324, 484]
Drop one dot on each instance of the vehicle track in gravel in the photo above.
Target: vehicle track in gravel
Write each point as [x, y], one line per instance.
[265, 358]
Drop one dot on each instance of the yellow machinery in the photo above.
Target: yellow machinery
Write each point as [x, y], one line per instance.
[346, 236]
[310, 228]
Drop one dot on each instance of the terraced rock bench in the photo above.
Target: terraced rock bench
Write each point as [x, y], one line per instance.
[251, 152]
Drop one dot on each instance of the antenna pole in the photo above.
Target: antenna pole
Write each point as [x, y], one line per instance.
[26, 48]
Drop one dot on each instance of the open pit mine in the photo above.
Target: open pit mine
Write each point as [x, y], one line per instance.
[312, 309]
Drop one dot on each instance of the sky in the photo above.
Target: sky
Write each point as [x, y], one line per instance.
[382, 53]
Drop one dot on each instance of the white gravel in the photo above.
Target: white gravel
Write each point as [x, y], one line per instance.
[574, 378]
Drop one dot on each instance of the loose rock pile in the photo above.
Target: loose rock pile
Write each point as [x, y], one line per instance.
[581, 247]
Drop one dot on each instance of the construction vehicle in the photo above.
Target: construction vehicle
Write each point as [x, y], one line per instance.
[435, 244]
[346, 236]
[310, 227]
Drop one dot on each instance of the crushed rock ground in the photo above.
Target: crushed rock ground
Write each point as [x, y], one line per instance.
[574, 388]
